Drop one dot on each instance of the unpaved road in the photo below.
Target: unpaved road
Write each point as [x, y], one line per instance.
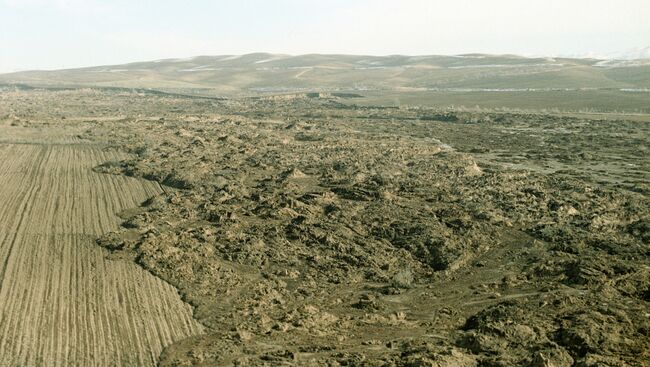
[61, 301]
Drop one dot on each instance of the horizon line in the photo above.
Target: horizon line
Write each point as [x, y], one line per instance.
[288, 55]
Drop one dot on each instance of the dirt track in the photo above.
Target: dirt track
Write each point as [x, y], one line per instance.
[62, 302]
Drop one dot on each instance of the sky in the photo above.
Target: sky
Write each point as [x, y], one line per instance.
[54, 34]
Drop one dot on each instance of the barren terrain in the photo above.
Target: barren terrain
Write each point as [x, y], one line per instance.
[304, 229]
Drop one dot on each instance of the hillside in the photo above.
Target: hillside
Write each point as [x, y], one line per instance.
[536, 82]
[268, 72]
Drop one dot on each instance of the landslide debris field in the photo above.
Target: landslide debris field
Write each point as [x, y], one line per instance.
[303, 230]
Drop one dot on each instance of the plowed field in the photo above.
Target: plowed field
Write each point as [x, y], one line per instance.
[61, 301]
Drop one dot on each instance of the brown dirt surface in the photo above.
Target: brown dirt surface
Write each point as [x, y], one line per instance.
[307, 231]
[62, 302]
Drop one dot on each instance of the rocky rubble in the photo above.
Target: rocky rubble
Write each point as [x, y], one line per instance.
[305, 231]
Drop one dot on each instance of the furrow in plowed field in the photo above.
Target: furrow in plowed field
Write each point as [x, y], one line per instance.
[61, 301]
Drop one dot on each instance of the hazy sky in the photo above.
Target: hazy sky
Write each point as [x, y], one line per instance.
[71, 33]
